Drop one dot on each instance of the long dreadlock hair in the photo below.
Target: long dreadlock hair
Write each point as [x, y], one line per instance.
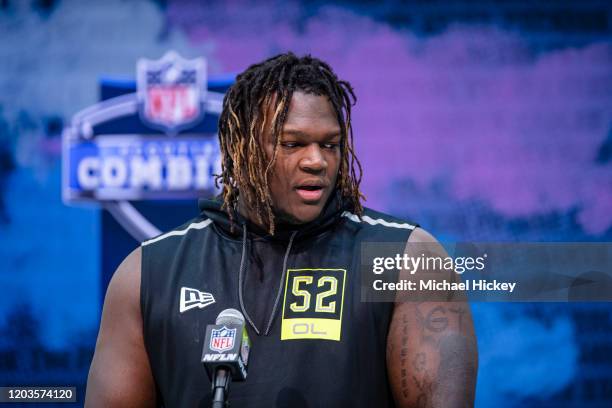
[246, 107]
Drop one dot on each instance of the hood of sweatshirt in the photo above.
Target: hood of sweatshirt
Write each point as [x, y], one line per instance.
[331, 213]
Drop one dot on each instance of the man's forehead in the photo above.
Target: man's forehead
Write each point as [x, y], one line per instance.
[311, 107]
[308, 114]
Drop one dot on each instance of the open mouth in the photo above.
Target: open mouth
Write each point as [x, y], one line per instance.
[310, 193]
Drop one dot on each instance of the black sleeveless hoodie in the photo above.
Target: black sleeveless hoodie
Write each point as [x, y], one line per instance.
[314, 342]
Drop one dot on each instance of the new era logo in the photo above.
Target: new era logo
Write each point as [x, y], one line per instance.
[191, 298]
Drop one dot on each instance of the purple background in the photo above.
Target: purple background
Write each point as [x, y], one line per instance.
[484, 121]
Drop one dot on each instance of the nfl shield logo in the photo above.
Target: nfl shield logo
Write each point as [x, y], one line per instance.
[222, 339]
[171, 91]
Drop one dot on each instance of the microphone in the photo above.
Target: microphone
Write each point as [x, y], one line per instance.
[225, 353]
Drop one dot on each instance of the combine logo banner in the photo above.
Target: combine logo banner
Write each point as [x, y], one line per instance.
[156, 142]
[130, 167]
[129, 148]
[171, 91]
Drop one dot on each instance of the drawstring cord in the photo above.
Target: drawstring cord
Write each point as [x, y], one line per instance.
[240, 274]
[241, 278]
[282, 279]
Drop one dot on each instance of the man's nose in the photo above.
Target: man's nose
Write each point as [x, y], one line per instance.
[313, 159]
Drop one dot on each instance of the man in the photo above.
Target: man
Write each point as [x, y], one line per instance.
[282, 246]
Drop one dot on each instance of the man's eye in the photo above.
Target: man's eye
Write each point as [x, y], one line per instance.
[289, 144]
[330, 145]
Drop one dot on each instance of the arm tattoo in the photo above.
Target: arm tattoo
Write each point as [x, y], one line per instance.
[419, 362]
[436, 320]
[425, 382]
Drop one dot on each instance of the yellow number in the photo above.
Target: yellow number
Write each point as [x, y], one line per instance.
[301, 292]
[331, 308]
[305, 295]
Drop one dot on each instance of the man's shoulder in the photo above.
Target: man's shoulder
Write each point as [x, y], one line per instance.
[192, 226]
[379, 220]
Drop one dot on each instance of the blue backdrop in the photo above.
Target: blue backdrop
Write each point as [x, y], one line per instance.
[484, 121]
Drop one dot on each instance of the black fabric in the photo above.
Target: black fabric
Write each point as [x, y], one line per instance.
[330, 214]
[282, 373]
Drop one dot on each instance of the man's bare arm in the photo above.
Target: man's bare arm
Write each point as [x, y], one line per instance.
[432, 357]
[120, 374]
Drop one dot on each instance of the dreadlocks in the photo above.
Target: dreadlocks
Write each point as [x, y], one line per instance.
[264, 90]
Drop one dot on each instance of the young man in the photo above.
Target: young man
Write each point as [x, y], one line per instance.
[283, 247]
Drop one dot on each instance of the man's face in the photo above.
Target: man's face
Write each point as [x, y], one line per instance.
[308, 158]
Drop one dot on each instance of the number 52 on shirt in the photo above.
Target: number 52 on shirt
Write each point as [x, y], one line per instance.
[312, 307]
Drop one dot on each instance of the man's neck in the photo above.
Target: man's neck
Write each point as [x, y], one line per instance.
[280, 219]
